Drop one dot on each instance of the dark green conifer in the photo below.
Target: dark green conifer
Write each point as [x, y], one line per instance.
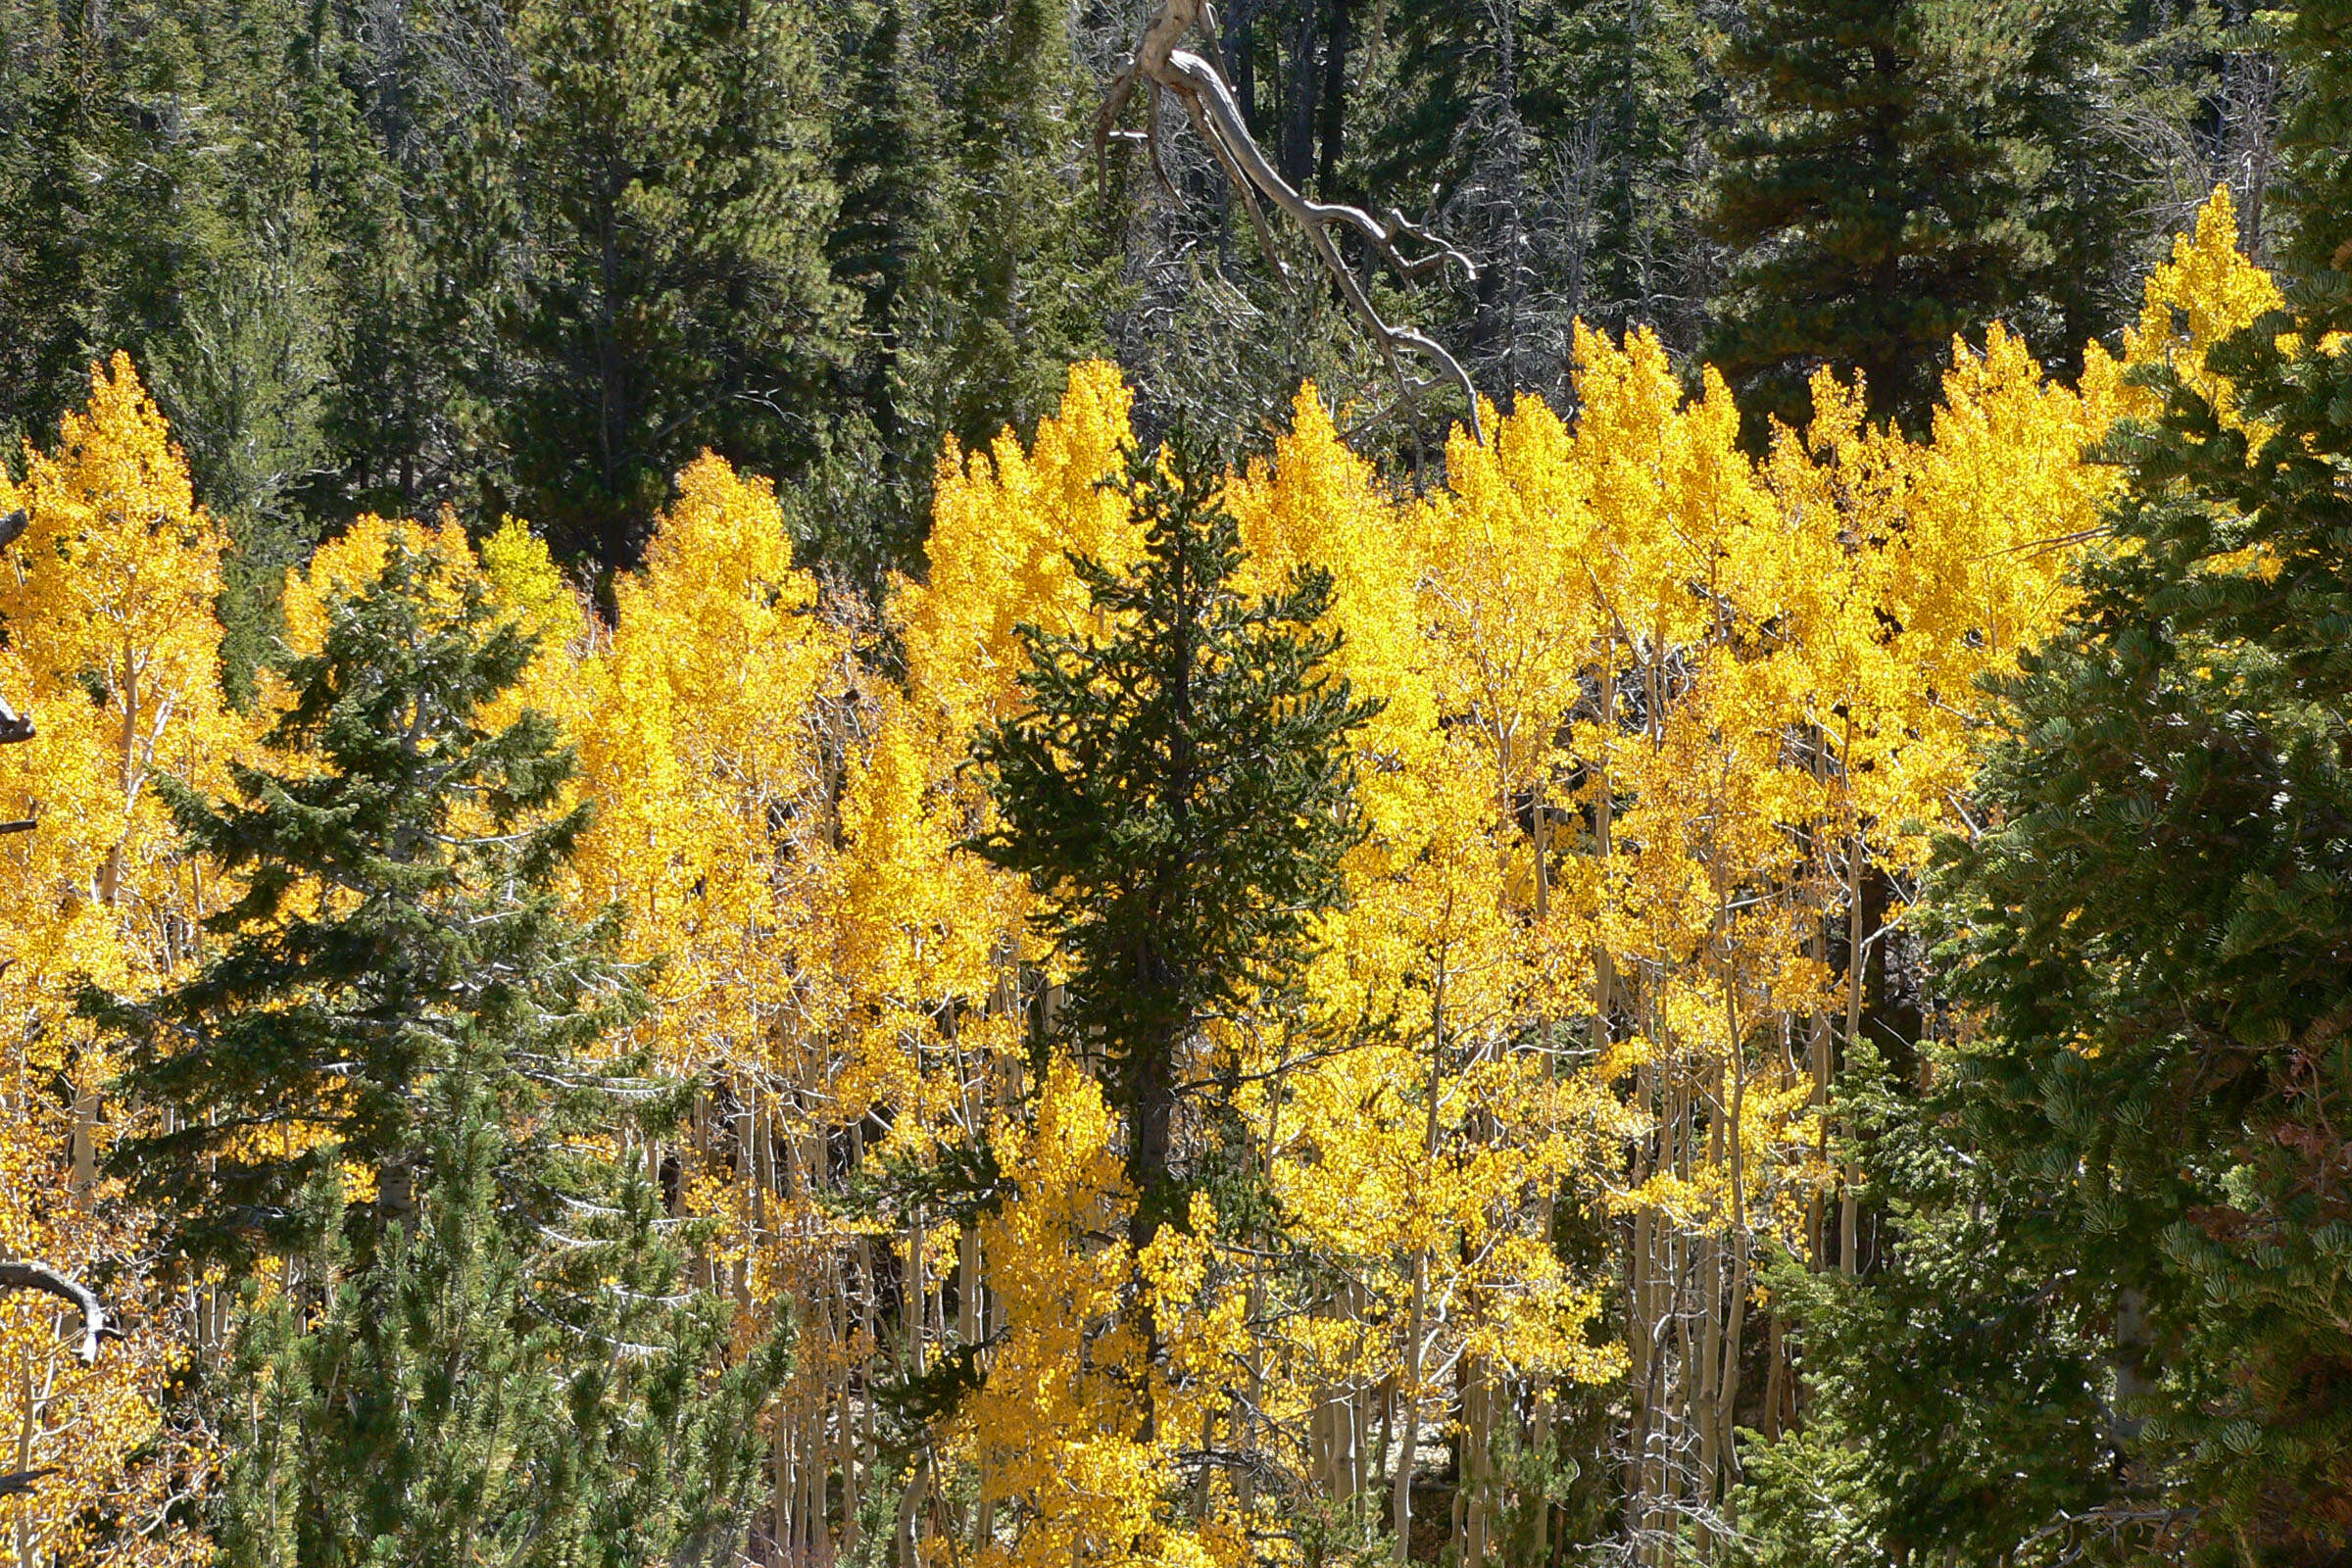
[485, 1393]
[1179, 794]
[2138, 1158]
[1019, 270]
[1954, 1404]
[398, 921]
[477, 1347]
[1896, 176]
[886, 165]
[670, 184]
[107, 197]
[863, 508]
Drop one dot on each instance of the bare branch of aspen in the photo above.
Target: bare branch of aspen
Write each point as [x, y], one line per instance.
[1197, 82]
[26, 1275]
[15, 727]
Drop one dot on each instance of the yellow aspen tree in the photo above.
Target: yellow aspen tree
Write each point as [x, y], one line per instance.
[712, 721]
[114, 646]
[1666, 730]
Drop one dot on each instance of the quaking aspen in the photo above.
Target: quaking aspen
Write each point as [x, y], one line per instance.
[1665, 731]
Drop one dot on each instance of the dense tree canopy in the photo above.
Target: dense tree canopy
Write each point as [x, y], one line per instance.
[806, 794]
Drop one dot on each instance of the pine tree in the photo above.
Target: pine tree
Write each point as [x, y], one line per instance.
[885, 167]
[1012, 285]
[108, 204]
[398, 920]
[1179, 794]
[480, 1395]
[669, 171]
[1624, 246]
[477, 1348]
[2157, 928]
[248, 373]
[869, 505]
[429, 262]
[1895, 179]
[1955, 1404]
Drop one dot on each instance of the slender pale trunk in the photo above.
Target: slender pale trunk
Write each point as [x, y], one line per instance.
[780, 1477]
[786, 1489]
[1848, 1207]
[109, 876]
[1542, 1439]
[845, 1435]
[1542, 836]
[1642, 1348]
[1402, 1510]
[971, 1327]
[1475, 1491]
[857, 1442]
[26, 1519]
[918, 1468]
[1728, 1377]
[1604, 812]
[752, 1161]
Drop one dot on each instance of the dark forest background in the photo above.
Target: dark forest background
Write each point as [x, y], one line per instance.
[528, 258]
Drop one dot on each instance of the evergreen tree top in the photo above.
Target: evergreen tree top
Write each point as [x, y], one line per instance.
[399, 918]
[2155, 921]
[413, 777]
[1180, 794]
[1899, 177]
[1178, 791]
[2315, 143]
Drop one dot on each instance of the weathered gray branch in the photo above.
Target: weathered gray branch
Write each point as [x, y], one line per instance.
[1197, 82]
[26, 1275]
[16, 1480]
[14, 726]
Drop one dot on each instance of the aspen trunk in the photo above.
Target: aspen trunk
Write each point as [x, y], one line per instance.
[1728, 1378]
[1402, 1499]
[1849, 1208]
[913, 1305]
[1540, 833]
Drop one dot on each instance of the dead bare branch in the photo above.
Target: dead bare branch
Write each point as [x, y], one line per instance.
[26, 1275]
[1197, 82]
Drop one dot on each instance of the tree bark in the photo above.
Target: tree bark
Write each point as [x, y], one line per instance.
[27, 1275]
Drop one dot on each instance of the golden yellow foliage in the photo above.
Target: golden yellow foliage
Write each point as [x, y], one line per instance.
[113, 644]
[1666, 731]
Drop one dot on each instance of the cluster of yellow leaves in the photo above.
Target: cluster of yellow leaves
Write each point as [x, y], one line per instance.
[1653, 711]
[114, 648]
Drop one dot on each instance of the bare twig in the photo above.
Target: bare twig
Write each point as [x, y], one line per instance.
[1197, 81]
[26, 1275]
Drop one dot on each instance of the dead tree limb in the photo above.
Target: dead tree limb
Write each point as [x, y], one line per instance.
[1197, 82]
[14, 726]
[26, 1275]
